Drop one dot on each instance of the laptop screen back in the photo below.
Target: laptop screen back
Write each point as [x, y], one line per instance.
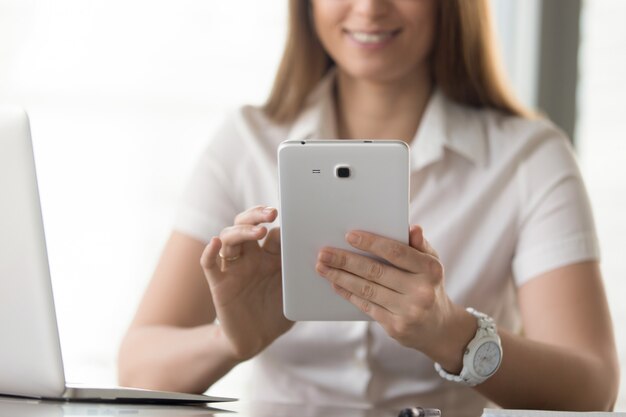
[30, 354]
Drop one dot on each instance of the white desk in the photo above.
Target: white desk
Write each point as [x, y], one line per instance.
[16, 407]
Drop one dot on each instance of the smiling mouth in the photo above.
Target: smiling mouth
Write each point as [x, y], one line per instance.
[371, 38]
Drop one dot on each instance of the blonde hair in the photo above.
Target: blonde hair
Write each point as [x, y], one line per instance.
[465, 64]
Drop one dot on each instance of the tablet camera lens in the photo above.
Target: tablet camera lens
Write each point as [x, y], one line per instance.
[343, 172]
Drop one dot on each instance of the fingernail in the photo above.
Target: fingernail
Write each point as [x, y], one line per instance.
[322, 269]
[326, 257]
[268, 210]
[353, 238]
[256, 228]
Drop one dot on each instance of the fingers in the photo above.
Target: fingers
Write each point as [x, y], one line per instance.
[364, 289]
[272, 242]
[257, 215]
[375, 311]
[363, 266]
[208, 260]
[234, 237]
[247, 227]
[212, 261]
[396, 253]
[419, 242]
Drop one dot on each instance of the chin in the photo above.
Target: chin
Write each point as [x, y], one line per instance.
[379, 74]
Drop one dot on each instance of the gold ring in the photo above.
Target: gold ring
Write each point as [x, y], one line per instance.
[229, 258]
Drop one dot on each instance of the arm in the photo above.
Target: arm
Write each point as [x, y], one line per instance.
[566, 359]
[172, 343]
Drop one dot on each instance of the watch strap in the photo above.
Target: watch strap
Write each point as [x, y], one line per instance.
[486, 327]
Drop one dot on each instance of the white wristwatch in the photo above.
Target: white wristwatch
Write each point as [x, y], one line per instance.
[482, 356]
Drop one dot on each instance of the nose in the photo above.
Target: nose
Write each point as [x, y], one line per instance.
[370, 8]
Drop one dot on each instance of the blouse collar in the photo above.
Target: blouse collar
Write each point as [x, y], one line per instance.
[444, 125]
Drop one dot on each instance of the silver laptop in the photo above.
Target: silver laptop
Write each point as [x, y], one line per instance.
[30, 352]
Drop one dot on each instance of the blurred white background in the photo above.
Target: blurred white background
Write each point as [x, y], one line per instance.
[122, 95]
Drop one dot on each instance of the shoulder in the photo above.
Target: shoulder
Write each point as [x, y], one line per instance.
[249, 129]
[537, 155]
[540, 149]
[245, 135]
[512, 139]
[246, 129]
[506, 131]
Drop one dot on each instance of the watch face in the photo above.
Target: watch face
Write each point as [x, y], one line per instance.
[487, 359]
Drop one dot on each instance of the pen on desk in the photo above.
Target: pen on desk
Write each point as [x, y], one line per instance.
[420, 412]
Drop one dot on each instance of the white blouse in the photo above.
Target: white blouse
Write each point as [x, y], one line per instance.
[500, 198]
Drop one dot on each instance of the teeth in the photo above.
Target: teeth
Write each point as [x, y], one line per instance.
[365, 37]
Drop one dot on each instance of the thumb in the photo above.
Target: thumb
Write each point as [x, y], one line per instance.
[272, 241]
[419, 242]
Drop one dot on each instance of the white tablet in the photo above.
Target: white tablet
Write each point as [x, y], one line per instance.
[327, 188]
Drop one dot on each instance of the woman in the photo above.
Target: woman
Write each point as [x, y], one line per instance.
[498, 193]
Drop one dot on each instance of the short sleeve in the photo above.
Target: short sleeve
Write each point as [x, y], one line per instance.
[208, 203]
[556, 223]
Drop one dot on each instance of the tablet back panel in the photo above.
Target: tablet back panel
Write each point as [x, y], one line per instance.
[318, 207]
